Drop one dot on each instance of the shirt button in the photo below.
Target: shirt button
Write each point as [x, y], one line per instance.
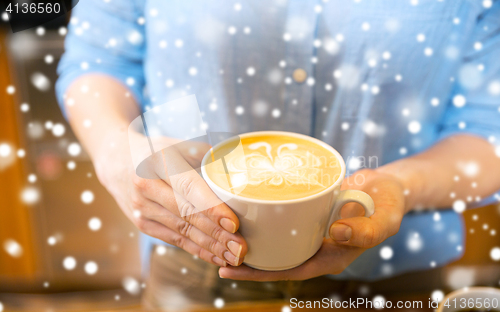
[299, 75]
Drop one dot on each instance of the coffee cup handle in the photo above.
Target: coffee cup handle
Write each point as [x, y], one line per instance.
[350, 196]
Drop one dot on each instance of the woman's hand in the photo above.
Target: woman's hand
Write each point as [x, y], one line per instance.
[349, 236]
[180, 210]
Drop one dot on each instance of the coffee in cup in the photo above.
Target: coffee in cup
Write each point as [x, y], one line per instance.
[285, 190]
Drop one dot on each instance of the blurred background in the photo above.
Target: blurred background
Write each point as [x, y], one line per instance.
[65, 245]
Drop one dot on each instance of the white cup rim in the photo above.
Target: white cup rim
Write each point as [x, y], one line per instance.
[277, 202]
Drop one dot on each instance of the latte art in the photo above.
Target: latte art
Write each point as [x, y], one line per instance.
[275, 168]
[290, 166]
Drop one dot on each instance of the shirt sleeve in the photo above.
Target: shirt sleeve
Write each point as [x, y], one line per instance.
[105, 37]
[474, 106]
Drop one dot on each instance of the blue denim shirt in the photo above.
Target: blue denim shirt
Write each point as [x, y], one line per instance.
[377, 80]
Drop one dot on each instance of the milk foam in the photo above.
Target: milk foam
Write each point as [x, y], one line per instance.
[290, 166]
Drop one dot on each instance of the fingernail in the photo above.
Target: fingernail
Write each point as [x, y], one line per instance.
[231, 258]
[228, 225]
[219, 261]
[220, 275]
[341, 232]
[235, 248]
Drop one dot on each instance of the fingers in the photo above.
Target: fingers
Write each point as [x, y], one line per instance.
[332, 258]
[191, 187]
[369, 232]
[155, 229]
[230, 251]
[198, 228]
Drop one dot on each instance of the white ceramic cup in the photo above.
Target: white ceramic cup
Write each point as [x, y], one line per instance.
[471, 298]
[283, 234]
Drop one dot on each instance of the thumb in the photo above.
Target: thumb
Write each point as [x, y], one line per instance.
[365, 232]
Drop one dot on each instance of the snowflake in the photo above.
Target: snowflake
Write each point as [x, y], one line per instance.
[494, 88]
[495, 254]
[250, 71]
[131, 285]
[40, 31]
[11, 89]
[193, 71]
[219, 303]
[94, 224]
[260, 108]
[331, 46]
[74, 149]
[71, 165]
[87, 197]
[392, 25]
[378, 302]
[386, 252]
[91, 268]
[461, 277]
[286, 309]
[239, 110]
[232, 30]
[58, 130]
[470, 169]
[459, 206]
[51, 240]
[32, 178]
[161, 250]
[373, 129]
[30, 195]
[179, 43]
[69, 263]
[414, 127]
[414, 242]
[437, 295]
[169, 83]
[13, 248]
[436, 216]
[49, 59]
